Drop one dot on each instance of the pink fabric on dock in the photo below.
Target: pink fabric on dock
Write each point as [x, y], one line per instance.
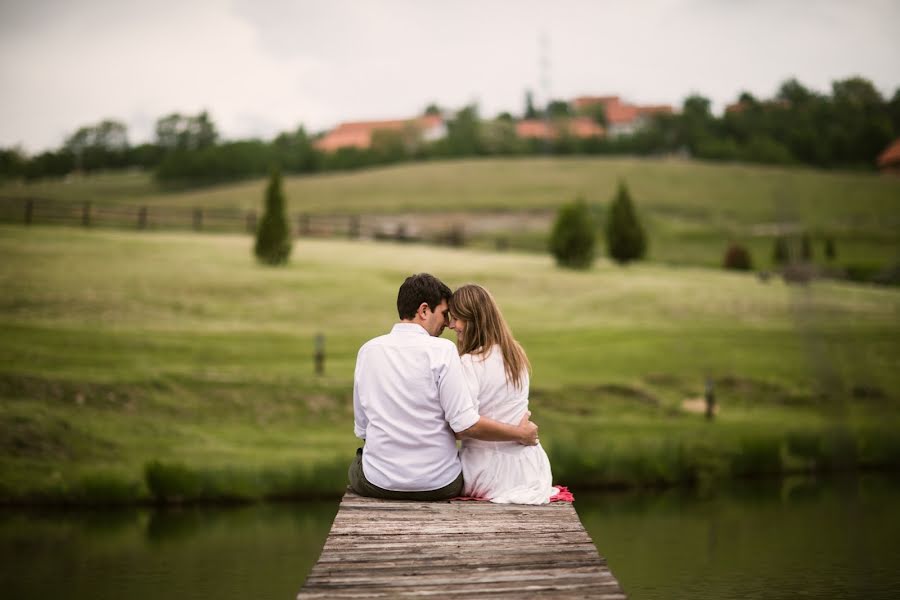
[563, 495]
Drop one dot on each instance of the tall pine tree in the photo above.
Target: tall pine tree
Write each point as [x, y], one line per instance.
[273, 238]
[625, 238]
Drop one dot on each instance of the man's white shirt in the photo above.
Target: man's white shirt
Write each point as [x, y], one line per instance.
[408, 392]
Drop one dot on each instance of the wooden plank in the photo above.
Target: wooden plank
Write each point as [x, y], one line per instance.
[390, 548]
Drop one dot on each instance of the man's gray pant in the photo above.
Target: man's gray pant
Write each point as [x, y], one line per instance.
[360, 485]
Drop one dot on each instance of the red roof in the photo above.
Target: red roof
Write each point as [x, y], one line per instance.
[534, 128]
[583, 127]
[586, 101]
[891, 155]
[580, 127]
[618, 112]
[358, 134]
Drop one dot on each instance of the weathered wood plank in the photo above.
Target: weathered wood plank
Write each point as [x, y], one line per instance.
[384, 549]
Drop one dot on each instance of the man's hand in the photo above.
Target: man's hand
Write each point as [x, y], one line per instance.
[529, 431]
[489, 430]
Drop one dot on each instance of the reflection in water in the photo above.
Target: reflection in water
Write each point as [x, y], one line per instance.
[790, 539]
[261, 551]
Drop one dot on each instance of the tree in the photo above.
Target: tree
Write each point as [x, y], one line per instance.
[464, 133]
[499, 137]
[697, 122]
[558, 109]
[98, 146]
[597, 112]
[625, 238]
[273, 238]
[530, 111]
[185, 132]
[294, 151]
[573, 237]
[12, 163]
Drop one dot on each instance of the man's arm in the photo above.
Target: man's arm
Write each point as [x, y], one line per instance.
[360, 422]
[489, 430]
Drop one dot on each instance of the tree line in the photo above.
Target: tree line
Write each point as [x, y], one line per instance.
[847, 127]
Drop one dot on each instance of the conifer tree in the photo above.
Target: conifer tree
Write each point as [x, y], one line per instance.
[625, 238]
[573, 237]
[273, 238]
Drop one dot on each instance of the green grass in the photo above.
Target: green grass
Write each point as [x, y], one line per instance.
[172, 366]
[691, 209]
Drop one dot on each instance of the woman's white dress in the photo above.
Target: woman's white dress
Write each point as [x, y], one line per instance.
[503, 472]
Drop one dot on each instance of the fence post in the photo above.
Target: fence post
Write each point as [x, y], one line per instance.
[710, 397]
[86, 214]
[29, 211]
[251, 222]
[198, 219]
[142, 217]
[319, 354]
[303, 224]
[353, 227]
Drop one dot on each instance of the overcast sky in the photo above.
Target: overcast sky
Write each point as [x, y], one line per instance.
[264, 66]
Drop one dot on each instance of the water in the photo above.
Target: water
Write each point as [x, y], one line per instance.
[798, 538]
[245, 553]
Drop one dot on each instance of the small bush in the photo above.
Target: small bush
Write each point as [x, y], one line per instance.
[572, 239]
[737, 258]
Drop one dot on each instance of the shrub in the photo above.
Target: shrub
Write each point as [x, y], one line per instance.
[625, 237]
[273, 238]
[572, 239]
[738, 258]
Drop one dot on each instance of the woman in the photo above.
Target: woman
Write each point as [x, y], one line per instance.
[496, 370]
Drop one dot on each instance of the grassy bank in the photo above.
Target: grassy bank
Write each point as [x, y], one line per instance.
[171, 366]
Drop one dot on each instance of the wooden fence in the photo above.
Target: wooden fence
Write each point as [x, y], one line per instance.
[45, 211]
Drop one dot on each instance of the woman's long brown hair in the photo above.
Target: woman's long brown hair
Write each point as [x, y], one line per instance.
[485, 327]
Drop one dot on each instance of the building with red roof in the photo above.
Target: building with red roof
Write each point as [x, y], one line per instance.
[889, 160]
[358, 134]
[622, 118]
[579, 127]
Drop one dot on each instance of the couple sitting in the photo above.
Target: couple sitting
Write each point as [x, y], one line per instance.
[414, 395]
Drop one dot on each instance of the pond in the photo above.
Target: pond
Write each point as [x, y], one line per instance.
[837, 538]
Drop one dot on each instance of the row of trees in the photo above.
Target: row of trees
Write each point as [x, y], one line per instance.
[848, 127]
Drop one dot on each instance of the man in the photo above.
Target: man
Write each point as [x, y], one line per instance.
[410, 398]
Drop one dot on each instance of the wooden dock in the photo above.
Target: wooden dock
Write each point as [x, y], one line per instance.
[458, 549]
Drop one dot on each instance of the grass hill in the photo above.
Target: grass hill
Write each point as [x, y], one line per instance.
[692, 209]
[172, 366]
